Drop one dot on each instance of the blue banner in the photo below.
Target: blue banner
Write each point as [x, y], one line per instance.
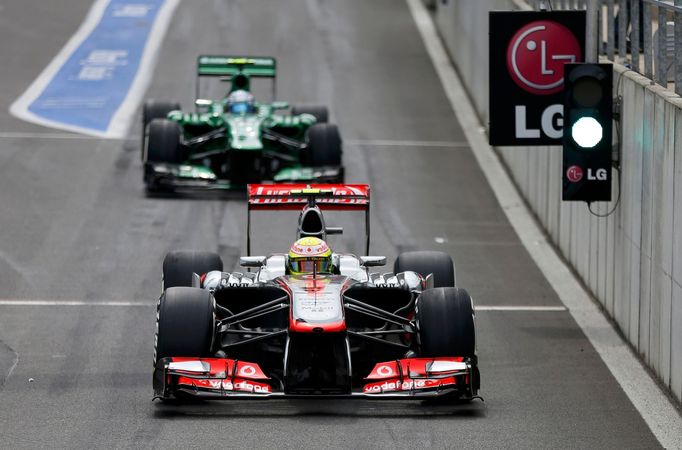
[96, 82]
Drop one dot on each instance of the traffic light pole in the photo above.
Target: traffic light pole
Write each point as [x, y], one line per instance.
[592, 32]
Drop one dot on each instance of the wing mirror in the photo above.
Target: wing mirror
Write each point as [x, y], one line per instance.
[202, 104]
[252, 261]
[196, 280]
[372, 261]
[279, 105]
[333, 230]
[428, 281]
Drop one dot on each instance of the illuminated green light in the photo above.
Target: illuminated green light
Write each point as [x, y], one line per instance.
[587, 132]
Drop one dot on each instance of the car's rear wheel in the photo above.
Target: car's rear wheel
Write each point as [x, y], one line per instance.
[445, 322]
[320, 113]
[324, 145]
[154, 109]
[179, 266]
[185, 323]
[439, 264]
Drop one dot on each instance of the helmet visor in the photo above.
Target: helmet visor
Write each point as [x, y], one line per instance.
[310, 265]
[239, 108]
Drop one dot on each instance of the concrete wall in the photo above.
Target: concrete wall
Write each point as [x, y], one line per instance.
[631, 261]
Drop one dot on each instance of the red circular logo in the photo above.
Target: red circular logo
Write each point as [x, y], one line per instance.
[574, 174]
[537, 53]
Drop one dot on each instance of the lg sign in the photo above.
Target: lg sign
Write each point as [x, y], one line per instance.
[537, 53]
[527, 54]
[535, 57]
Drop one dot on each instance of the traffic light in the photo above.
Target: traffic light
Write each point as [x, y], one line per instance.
[587, 146]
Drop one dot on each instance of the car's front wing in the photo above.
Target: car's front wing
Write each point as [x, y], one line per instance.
[223, 378]
[161, 176]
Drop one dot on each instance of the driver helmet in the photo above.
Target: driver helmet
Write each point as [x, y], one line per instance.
[240, 102]
[310, 255]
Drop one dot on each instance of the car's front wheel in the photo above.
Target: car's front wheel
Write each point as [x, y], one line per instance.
[154, 109]
[185, 323]
[163, 144]
[445, 323]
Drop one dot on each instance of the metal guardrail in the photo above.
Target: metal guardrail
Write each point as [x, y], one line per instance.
[645, 35]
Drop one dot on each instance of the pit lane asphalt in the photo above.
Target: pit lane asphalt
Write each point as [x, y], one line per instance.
[75, 224]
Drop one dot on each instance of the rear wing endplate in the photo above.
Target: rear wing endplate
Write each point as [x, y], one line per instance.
[287, 197]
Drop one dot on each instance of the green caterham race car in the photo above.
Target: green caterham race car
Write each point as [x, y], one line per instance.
[233, 141]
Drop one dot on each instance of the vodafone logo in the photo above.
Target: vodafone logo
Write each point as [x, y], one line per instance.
[384, 371]
[247, 371]
[536, 55]
[574, 174]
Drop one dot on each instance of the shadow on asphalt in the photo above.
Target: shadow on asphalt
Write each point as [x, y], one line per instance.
[239, 409]
[196, 194]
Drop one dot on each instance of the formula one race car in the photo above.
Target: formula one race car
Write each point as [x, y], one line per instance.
[313, 323]
[233, 141]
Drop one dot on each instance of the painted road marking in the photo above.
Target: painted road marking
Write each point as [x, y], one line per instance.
[652, 404]
[522, 308]
[95, 83]
[72, 303]
[50, 136]
[117, 303]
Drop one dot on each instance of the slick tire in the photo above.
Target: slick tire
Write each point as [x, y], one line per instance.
[179, 266]
[440, 264]
[320, 113]
[324, 145]
[445, 323]
[163, 143]
[185, 323]
[154, 109]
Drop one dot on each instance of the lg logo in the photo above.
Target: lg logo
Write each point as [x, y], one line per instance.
[575, 174]
[600, 175]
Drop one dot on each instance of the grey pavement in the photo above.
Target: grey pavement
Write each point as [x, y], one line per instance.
[75, 224]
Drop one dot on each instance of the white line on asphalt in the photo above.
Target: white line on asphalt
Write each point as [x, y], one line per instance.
[13, 302]
[651, 402]
[20, 106]
[28, 135]
[394, 143]
[72, 303]
[522, 308]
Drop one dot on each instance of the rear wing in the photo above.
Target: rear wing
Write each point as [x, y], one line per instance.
[228, 66]
[353, 197]
[288, 197]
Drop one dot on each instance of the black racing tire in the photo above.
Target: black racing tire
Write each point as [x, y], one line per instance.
[440, 264]
[185, 323]
[445, 323]
[163, 143]
[179, 266]
[324, 145]
[155, 109]
[321, 113]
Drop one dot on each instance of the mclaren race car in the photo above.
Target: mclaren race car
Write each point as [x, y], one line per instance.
[314, 323]
[230, 142]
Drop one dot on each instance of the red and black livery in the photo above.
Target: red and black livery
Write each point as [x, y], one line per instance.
[351, 333]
